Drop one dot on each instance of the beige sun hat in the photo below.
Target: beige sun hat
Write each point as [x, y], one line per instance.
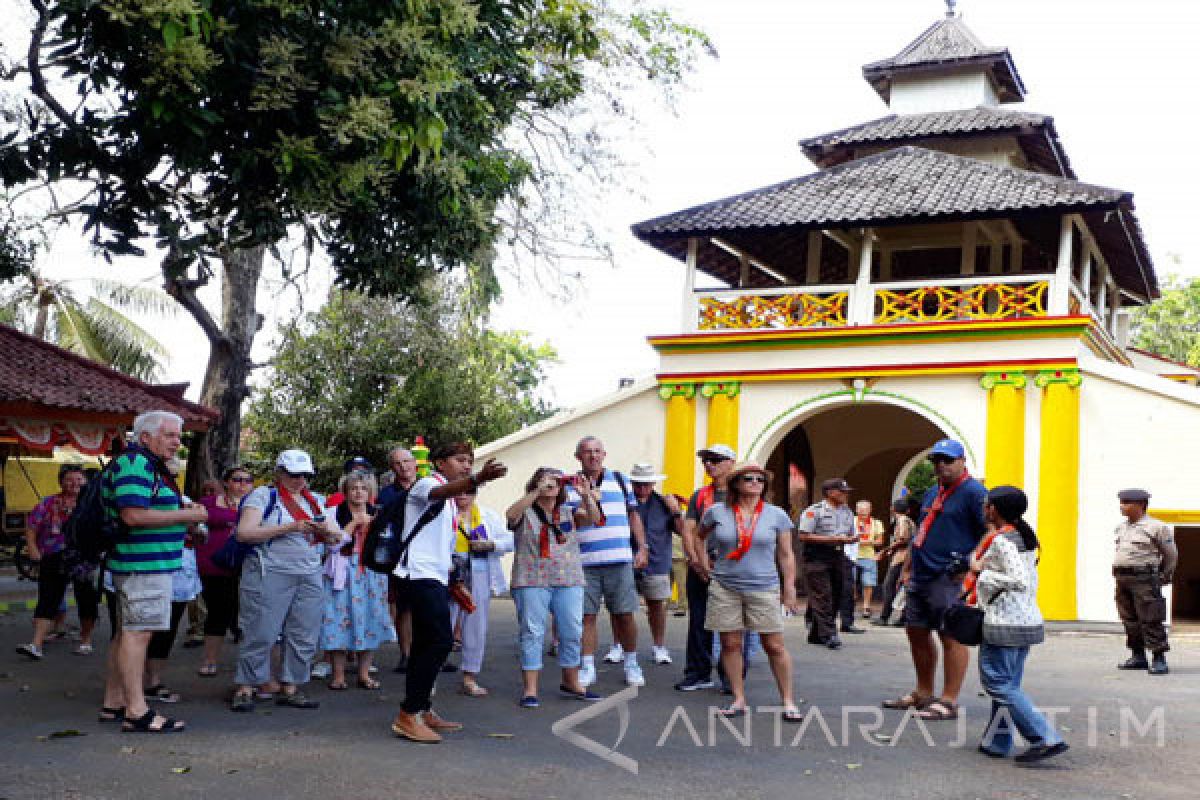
[644, 473]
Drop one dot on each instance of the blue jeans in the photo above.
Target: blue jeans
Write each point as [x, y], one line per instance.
[1000, 671]
[533, 603]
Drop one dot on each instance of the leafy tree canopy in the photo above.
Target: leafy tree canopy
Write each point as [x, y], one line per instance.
[377, 126]
[364, 373]
[1170, 326]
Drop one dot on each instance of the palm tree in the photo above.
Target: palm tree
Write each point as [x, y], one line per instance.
[96, 328]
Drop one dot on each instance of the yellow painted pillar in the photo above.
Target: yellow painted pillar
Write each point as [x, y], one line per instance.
[1058, 493]
[723, 410]
[679, 445]
[1005, 464]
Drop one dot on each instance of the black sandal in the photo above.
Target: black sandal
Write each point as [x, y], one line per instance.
[143, 724]
[296, 699]
[111, 714]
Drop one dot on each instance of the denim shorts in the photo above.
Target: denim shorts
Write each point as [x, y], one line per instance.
[868, 568]
[926, 603]
[613, 585]
[143, 601]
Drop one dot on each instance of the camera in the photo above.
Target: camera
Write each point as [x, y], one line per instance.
[959, 564]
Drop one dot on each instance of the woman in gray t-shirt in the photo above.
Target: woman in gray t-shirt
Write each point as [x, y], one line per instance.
[751, 576]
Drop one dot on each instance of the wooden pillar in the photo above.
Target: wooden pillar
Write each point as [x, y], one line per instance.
[1060, 290]
[970, 239]
[812, 273]
[863, 297]
[691, 307]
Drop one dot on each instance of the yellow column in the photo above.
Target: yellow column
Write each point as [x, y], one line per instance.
[723, 402]
[1005, 463]
[679, 457]
[1058, 493]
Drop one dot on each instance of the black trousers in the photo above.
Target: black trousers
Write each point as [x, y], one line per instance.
[221, 598]
[432, 638]
[162, 641]
[845, 597]
[52, 588]
[824, 581]
[891, 581]
[699, 640]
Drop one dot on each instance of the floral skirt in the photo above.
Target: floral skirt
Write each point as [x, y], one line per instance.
[356, 617]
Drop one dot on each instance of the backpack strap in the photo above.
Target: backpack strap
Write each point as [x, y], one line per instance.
[428, 515]
[624, 486]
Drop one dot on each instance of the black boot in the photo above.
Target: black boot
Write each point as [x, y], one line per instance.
[1159, 665]
[1136, 661]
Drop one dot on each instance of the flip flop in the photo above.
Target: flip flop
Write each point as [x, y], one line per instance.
[162, 694]
[107, 714]
[938, 711]
[338, 686]
[792, 714]
[732, 712]
[905, 702]
[207, 670]
[370, 684]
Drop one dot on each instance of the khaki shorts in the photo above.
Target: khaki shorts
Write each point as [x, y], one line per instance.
[655, 587]
[730, 610]
[143, 601]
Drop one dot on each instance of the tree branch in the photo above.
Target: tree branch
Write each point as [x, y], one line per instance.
[183, 290]
[40, 89]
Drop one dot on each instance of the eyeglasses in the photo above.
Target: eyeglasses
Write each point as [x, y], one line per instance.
[241, 479]
[754, 478]
[709, 460]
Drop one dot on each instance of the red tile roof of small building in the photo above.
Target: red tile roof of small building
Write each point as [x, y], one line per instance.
[39, 380]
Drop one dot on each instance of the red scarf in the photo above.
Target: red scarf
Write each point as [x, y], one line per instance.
[971, 579]
[704, 500]
[289, 502]
[745, 532]
[939, 502]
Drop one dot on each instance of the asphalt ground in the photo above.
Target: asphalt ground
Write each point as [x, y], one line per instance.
[345, 748]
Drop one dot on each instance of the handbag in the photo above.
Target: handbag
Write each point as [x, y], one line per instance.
[462, 596]
[964, 623]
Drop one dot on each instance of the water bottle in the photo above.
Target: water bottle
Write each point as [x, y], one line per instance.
[383, 548]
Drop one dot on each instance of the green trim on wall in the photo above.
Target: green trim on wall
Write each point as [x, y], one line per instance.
[946, 424]
[730, 389]
[993, 379]
[682, 389]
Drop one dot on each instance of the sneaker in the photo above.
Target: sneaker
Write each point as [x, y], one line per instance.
[616, 654]
[321, 671]
[634, 676]
[1040, 752]
[84, 649]
[587, 675]
[662, 655]
[411, 727]
[30, 650]
[529, 701]
[693, 685]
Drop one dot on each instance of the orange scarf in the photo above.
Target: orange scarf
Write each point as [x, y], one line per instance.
[972, 578]
[288, 501]
[745, 533]
[939, 502]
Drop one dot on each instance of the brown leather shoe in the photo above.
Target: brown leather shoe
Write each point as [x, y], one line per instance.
[431, 719]
[411, 727]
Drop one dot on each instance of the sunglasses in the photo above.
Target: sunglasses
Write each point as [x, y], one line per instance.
[754, 478]
[942, 459]
[712, 460]
[241, 479]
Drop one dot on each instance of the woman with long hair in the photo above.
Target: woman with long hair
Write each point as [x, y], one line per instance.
[219, 587]
[753, 540]
[1003, 582]
[547, 578]
[356, 615]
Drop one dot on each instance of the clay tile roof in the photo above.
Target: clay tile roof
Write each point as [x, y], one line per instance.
[948, 42]
[1036, 134]
[906, 185]
[39, 380]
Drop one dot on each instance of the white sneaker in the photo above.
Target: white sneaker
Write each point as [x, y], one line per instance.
[321, 670]
[587, 675]
[662, 655]
[616, 655]
[634, 676]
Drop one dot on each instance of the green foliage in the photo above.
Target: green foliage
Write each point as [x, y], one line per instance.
[364, 373]
[920, 479]
[1170, 326]
[377, 125]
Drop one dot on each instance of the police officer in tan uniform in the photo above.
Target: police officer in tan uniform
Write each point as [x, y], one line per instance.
[1144, 562]
[825, 528]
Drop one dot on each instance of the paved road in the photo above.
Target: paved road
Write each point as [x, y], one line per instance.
[345, 750]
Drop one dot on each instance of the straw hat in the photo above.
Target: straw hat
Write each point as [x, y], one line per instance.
[644, 473]
[746, 467]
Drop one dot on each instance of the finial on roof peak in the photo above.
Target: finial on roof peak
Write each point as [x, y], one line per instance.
[950, 8]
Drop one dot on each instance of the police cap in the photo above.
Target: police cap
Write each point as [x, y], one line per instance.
[1133, 496]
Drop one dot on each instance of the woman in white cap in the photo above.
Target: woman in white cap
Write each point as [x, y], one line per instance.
[281, 590]
[753, 542]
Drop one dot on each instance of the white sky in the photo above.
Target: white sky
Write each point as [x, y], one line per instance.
[1115, 75]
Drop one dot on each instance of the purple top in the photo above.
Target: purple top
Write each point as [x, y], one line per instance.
[221, 524]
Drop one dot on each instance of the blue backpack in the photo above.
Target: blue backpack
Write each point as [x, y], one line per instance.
[234, 551]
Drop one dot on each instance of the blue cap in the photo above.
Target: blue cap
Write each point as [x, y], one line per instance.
[948, 447]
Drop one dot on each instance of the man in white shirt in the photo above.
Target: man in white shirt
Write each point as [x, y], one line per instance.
[422, 578]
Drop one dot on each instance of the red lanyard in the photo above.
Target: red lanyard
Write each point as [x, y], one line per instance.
[934, 510]
[971, 579]
[745, 532]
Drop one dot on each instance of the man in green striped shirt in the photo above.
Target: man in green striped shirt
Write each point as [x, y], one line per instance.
[140, 492]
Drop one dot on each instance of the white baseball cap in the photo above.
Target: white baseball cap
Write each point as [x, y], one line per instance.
[719, 450]
[295, 462]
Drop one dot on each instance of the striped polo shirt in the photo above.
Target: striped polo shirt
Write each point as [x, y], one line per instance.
[609, 544]
[132, 483]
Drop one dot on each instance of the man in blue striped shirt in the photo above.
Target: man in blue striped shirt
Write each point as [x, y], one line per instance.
[608, 559]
